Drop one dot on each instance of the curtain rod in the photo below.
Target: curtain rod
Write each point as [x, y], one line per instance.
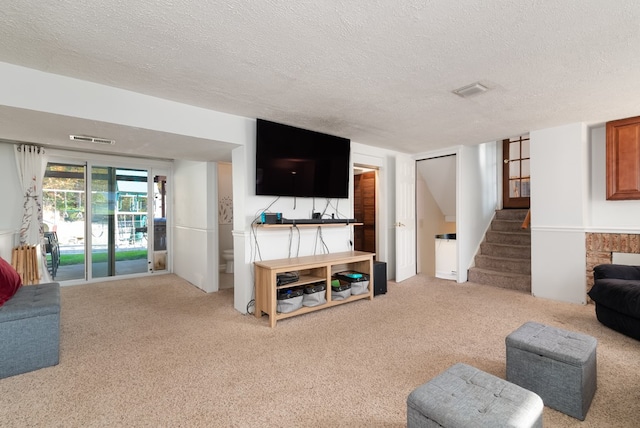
[36, 149]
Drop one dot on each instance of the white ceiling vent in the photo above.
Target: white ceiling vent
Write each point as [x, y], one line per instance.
[87, 139]
[470, 90]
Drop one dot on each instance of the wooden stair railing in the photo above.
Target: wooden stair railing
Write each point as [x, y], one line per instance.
[527, 220]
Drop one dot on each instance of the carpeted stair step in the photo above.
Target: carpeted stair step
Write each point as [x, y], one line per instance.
[512, 281]
[505, 250]
[512, 238]
[517, 214]
[507, 226]
[509, 221]
[503, 264]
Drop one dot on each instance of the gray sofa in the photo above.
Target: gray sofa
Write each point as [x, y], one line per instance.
[30, 329]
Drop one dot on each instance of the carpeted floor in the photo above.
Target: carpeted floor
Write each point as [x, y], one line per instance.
[158, 352]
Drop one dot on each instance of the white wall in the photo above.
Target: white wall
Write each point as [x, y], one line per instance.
[11, 212]
[195, 231]
[439, 174]
[559, 206]
[39, 91]
[607, 216]
[477, 200]
[242, 270]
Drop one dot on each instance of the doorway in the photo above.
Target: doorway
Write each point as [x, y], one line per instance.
[516, 175]
[436, 216]
[365, 208]
[225, 226]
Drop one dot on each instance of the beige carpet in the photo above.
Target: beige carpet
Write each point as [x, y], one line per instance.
[159, 352]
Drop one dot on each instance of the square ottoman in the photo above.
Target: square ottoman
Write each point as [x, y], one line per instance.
[464, 396]
[30, 329]
[556, 364]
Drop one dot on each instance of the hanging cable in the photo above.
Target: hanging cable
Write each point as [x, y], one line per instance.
[254, 230]
[325, 208]
[325, 249]
[338, 213]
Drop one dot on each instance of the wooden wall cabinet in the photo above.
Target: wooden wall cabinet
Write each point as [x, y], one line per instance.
[623, 159]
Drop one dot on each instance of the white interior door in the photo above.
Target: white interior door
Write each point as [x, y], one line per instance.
[405, 217]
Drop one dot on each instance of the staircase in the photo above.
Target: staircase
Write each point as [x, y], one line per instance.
[504, 259]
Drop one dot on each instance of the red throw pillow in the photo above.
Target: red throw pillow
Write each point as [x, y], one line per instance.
[10, 281]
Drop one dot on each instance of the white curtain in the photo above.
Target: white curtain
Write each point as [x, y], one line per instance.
[32, 162]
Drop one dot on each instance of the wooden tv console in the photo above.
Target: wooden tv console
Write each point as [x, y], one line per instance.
[311, 269]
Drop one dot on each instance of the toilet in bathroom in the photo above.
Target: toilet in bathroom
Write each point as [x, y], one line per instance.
[227, 255]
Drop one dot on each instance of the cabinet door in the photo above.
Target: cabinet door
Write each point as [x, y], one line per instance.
[623, 159]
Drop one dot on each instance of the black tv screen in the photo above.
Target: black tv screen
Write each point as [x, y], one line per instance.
[292, 161]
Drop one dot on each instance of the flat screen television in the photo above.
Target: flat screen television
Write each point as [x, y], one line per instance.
[292, 161]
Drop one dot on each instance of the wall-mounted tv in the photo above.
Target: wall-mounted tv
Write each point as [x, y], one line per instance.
[292, 161]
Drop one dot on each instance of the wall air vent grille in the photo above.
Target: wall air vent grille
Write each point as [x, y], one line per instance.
[87, 139]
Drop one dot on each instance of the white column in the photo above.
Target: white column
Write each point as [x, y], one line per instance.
[559, 201]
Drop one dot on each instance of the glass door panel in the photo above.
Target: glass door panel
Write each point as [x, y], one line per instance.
[119, 216]
[63, 192]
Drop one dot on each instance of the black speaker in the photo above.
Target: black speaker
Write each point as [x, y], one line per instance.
[379, 278]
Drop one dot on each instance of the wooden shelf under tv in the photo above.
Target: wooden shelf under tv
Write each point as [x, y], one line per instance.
[308, 225]
[311, 269]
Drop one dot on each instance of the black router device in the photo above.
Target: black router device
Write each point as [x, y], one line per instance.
[267, 218]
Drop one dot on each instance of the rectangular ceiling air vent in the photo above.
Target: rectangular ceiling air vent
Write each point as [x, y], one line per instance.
[88, 139]
[470, 90]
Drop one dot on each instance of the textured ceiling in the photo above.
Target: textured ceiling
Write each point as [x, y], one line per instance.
[378, 72]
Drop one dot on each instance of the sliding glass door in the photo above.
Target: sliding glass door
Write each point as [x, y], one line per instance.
[105, 221]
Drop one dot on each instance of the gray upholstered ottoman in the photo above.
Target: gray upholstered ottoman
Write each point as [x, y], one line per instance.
[464, 396]
[556, 364]
[30, 329]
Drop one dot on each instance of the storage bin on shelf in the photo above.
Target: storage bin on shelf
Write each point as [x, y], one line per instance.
[289, 299]
[315, 294]
[340, 290]
[358, 281]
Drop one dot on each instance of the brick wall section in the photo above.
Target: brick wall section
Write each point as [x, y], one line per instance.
[601, 245]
